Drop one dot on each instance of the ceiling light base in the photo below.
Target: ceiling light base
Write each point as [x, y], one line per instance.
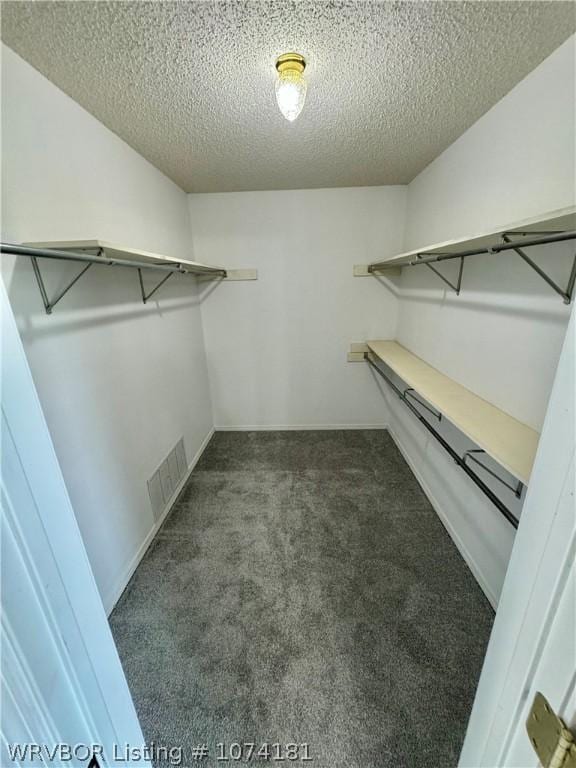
[292, 61]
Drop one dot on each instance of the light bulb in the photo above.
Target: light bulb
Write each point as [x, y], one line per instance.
[290, 85]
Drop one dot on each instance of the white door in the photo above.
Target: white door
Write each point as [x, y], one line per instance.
[533, 643]
[62, 683]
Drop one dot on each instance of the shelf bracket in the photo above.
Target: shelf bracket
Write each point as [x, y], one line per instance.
[410, 392]
[566, 294]
[512, 519]
[49, 305]
[516, 489]
[454, 286]
[367, 270]
[147, 296]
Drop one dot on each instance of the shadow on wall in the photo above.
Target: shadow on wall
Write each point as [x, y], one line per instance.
[501, 337]
[500, 283]
[391, 284]
[103, 295]
[120, 382]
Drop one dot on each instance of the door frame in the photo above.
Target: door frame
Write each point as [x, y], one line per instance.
[59, 603]
[539, 574]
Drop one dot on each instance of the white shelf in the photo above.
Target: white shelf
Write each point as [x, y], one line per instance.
[508, 441]
[114, 251]
[89, 252]
[554, 221]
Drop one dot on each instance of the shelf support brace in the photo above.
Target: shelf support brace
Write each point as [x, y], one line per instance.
[566, 294]
[410, 392]
[516, 489]
[455, 287]
[49, 305]
[146, 296]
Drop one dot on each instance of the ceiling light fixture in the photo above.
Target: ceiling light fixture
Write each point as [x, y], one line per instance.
[291, 84]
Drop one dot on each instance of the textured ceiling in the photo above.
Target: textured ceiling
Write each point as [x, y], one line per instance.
[190, 85]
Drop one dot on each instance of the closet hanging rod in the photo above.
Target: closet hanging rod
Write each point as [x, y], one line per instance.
[50, 253]
[460, 461]
[427, 258]
[558, 237]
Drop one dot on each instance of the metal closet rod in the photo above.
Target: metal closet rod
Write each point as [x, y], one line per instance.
[50, 253]
[427, 258]
[461, 462]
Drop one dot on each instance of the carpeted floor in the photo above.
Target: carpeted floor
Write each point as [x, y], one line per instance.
[303, 590]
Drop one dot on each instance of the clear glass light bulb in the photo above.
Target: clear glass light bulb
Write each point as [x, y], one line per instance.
[290, 93]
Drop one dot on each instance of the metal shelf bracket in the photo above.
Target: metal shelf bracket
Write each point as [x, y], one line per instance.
[96, 254]
[146, 296]
[49, 305]
[410, 393]
[568, 292]
[516, 489]
[531, 239]
[454, 286]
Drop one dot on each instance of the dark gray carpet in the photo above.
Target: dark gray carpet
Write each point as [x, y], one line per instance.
[303, 590]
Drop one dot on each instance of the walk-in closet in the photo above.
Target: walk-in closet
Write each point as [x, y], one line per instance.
[288, 383]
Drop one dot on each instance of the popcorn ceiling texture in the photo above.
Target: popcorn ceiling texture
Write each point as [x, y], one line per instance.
[190, 85]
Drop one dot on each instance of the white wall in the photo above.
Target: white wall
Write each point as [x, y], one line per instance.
[119, 382]
[277, 347]
[502, 336]
[513, 163]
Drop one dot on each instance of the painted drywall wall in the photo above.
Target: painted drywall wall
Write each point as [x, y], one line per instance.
[518, 157]
[517, 161]
[277, 347]
[502, 336]
[119, 382]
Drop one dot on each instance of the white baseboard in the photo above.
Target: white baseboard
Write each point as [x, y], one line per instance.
[470, 562]
[295, 427]
[113, 596]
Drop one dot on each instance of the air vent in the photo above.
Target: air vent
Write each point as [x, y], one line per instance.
[167, 478]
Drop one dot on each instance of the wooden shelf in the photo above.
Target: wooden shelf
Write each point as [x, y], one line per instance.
[508, 441]
[554, 221]
[112, 251]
